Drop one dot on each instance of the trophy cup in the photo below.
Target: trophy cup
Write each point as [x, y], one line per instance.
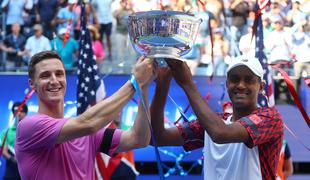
[163, 34]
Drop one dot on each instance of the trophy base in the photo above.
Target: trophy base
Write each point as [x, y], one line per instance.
[165, 52]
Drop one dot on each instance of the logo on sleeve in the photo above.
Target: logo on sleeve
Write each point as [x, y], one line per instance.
[255, 119]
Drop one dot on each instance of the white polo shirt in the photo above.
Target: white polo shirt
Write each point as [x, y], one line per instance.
[231, 161]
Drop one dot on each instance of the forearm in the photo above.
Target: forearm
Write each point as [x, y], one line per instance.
[101, 114]
[157, 111]
[60, 21]
[140, 129]
[208, 119]
[288, 168]
[163, 136]
[138, 135]
[7, 49]
[6, 154]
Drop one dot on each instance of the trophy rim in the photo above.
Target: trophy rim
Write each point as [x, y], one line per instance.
[170, 13]
[166, 57]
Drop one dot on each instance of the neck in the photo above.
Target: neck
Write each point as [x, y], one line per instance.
[52, 110]
[242, 112]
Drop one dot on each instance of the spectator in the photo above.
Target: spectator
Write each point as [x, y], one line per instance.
[285, 5]
[295, 15]
[68, 51]
[121, 30]
[220, 52]
[67, 15]
[301, 50]
[11, 171]
[275, 10]
[240, 12]
[91, 15]
[45, 12]
[203, 34]
[105, 18]
[37, 42]
[91, 18]
[247, 43]
[16, 12]
[97, 44]
[14, 45]
[279, 43]
[266, 25]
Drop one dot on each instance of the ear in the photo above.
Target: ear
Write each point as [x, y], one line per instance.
[31, 84]
[262, 87]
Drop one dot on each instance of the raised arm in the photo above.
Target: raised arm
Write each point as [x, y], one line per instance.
[208, 119]
[163, 137]
[139, 135]
[99, 115]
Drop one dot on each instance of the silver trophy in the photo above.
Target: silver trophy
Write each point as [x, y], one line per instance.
[163, 34]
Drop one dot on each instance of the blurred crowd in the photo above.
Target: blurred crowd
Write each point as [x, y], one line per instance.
[31, 26]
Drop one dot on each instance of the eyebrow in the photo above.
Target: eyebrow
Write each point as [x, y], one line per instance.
[48, 71]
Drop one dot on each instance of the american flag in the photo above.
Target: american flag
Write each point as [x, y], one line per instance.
[90, 87]
[263, 4]
[267, 99]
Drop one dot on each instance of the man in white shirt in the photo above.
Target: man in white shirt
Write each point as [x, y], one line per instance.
[37, 42]
[242, 145]
[279, 42]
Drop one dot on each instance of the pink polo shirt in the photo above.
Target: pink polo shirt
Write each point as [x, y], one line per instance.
[39, 157]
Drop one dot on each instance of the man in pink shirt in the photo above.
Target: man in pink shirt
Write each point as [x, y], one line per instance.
[49, 146]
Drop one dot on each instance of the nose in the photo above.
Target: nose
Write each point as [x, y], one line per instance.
[53, 78]
[241, 84]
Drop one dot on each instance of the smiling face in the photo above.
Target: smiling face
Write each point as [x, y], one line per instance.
[243, 87]
[49, 81]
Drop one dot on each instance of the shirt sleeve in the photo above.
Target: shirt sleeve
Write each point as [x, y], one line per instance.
[27, 45]
[264, 125]
[107, 140]
[38, 131]
[193, 135]
[60, 14]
